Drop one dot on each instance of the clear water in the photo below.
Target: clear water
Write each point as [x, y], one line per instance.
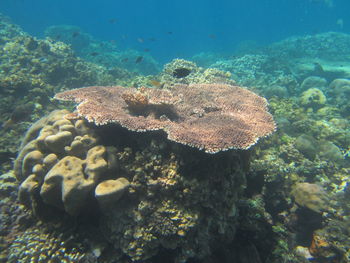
[195, 26]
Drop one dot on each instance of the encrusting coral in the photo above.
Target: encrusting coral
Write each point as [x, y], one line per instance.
[213, 117]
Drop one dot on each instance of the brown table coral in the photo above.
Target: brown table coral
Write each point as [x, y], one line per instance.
[212, 117]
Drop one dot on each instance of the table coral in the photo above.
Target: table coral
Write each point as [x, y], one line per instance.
[213, 117]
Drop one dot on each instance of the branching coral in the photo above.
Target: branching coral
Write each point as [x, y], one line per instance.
[213, 117]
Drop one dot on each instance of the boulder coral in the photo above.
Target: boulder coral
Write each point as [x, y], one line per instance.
[109, 191]
[71, 179]
[313, 98]
[59, 161]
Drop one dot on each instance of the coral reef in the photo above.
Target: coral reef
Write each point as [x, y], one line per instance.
[265, 72]
[330, 45]
[175, 204]
[313, 98]
[31, 71]
[213, 117]
[8, 29]
[150, 194]
[34, 245]
[105, 53]
[187, 72]
[102, 193]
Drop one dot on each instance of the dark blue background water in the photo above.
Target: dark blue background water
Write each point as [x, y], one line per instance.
[184, 27]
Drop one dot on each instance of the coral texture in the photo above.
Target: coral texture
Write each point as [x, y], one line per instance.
[213, 117]
[37, 244]
[60, 161]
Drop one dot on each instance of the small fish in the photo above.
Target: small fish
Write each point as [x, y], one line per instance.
[93, 54]
[112, 20]
[75, 34]
[124, 60]
[181, 72]
[140, 40]
[138, 59]
[155, 83]
[212, 36]
[152, 39]
[169, 33]
[147, 50]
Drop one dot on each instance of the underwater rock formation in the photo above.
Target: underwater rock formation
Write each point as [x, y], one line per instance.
[212, 117]
[150, 195]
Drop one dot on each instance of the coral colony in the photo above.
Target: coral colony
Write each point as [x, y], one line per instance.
[212, 117]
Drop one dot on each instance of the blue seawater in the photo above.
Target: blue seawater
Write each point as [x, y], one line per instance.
[182, 28]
